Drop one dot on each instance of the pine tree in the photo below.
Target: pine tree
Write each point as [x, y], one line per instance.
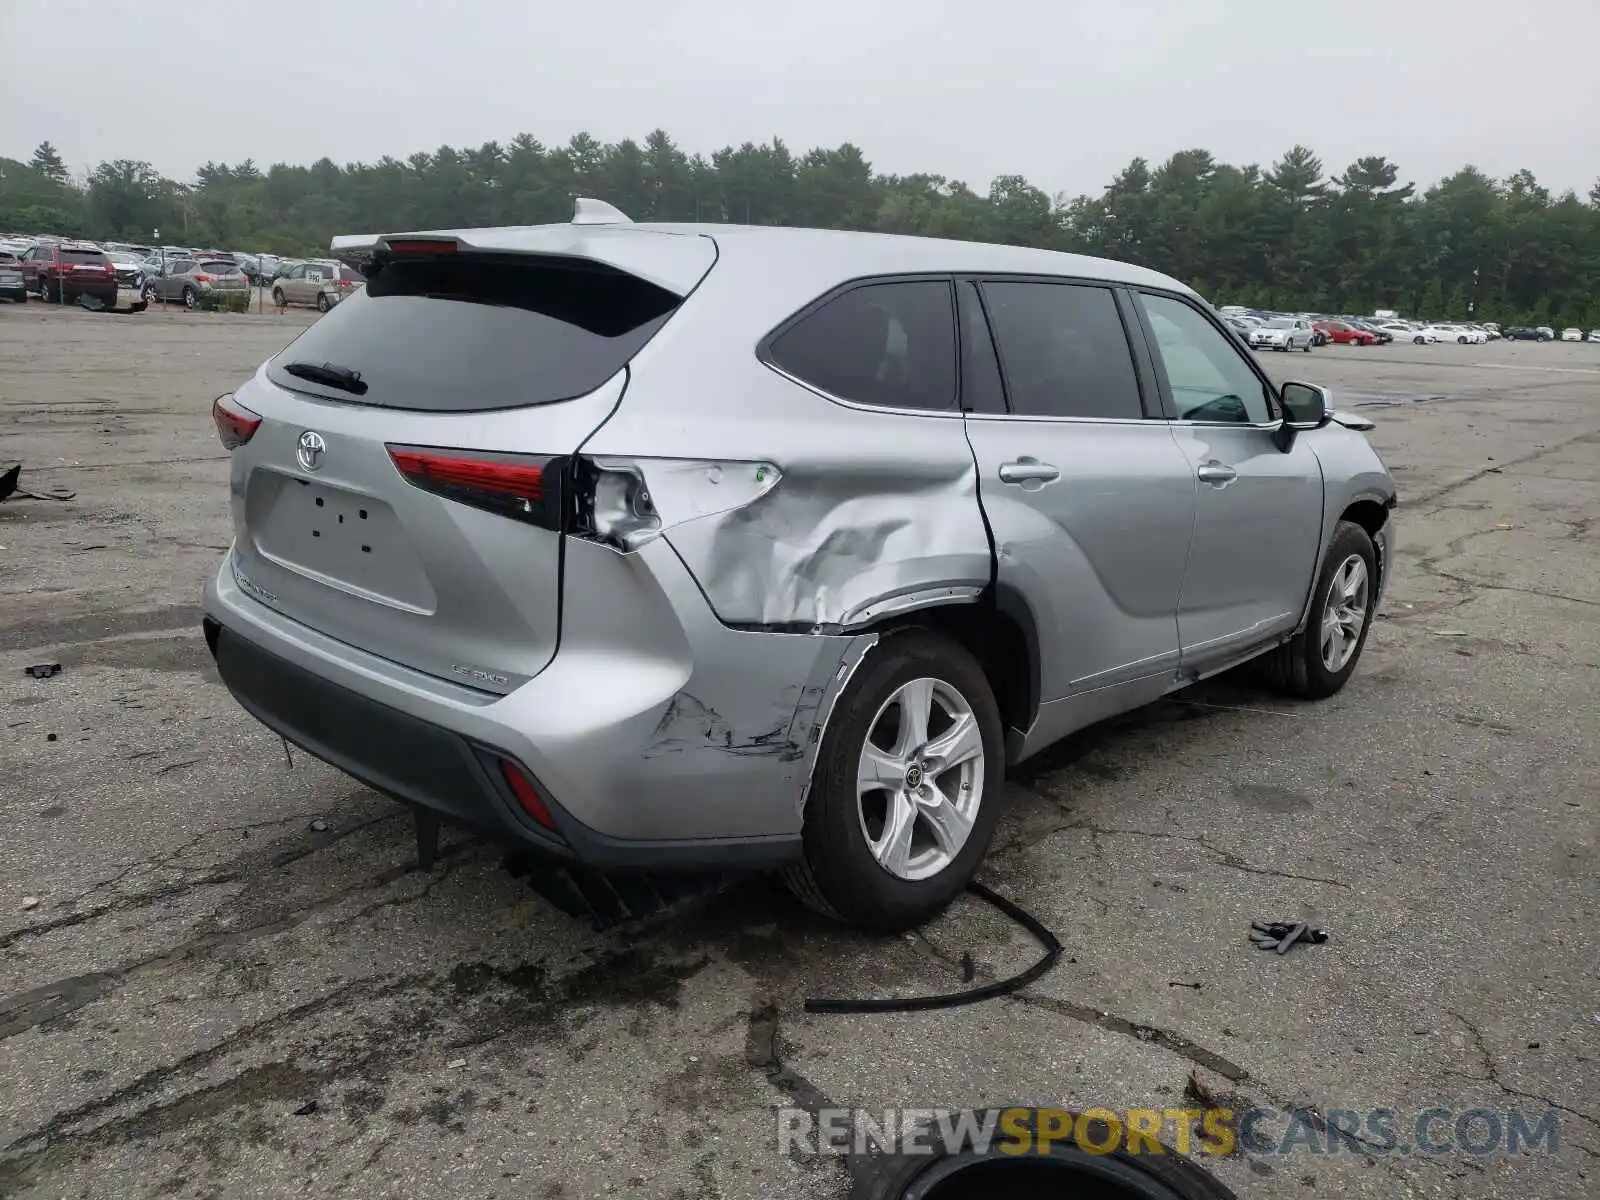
[48, 162]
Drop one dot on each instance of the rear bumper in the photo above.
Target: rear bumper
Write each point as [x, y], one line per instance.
[695, 753]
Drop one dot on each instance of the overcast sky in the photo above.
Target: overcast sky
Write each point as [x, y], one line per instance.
[1064, 92]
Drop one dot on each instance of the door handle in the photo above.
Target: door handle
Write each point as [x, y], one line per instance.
[1028, 470]
[1215, 472]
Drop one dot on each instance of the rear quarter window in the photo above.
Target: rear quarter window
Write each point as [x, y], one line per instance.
[474, 333]
[890, 344]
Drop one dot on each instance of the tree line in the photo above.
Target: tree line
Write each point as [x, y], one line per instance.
[1289, 236]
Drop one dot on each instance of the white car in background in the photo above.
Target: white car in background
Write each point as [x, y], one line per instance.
[1454, 333]
[1594, 335]
[1572, 335]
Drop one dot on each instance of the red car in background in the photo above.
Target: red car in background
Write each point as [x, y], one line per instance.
[1342, 334]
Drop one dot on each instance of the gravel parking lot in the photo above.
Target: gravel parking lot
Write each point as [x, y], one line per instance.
[203, 962]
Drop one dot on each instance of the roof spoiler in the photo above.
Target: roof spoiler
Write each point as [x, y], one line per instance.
[354, 249]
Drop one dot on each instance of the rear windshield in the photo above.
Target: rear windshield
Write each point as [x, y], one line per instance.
[220, 268]
[467, 334]
[83, 256]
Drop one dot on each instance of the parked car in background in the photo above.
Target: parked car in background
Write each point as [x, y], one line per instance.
[1524, 333]
[317, 284]
[66, 272]
[1572, 335]
[1383, 335]
[1342, 333]
[130, 269]
[186, 280]
[504, 555]
[1283, 333]
[13, 284]
[1549, 334]
[1492, 329]
[1594, 335]
[1462, 334]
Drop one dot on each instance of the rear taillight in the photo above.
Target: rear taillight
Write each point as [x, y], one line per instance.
[235, 423]
[523, 487]
[202, 279]
[347, 283]
[527, 795]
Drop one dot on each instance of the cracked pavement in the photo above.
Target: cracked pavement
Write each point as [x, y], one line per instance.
[203, 965]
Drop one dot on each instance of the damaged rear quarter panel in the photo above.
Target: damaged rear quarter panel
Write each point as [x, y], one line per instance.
[875, 509]
[845, 536]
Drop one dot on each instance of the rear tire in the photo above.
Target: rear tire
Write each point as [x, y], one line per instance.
[277, 298]
[188, 297]
[322, 302]
[1319, 660]
[1307, 346]
[954, 808]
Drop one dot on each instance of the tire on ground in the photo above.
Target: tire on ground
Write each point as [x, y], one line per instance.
[837, 875]
[1296, 668]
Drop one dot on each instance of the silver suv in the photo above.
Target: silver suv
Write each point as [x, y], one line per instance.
[681, 546]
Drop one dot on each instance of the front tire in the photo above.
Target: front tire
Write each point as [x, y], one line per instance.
[1419, 341]
[277, 298]
[1307, 346]
[1320, 659]
[906, 788]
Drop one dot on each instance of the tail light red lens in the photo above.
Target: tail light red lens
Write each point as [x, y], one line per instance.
[235, 423]
[527, 795]
[522, 487]
[202, 279]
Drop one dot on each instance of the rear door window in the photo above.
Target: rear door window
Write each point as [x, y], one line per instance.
[1063, 350]
[890, 344]
[473, 333]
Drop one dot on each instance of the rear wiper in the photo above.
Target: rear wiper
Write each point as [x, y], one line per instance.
[329, 374]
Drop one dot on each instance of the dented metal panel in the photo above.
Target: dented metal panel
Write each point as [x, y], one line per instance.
[839, 543]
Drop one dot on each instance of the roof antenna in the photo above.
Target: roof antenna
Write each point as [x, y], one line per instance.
[587, 211]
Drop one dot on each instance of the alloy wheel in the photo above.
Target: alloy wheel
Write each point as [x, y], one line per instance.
[919, 781]
[1344, 614]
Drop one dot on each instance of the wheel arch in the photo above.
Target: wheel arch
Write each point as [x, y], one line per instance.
[998, 629]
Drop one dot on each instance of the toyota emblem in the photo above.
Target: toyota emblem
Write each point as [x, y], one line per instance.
[311, 450]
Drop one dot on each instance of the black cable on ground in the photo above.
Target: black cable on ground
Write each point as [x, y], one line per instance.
[1052, 952]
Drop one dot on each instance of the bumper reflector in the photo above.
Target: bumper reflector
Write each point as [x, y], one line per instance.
[527, 795]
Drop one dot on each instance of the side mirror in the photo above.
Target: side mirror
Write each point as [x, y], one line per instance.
[1305, 405]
